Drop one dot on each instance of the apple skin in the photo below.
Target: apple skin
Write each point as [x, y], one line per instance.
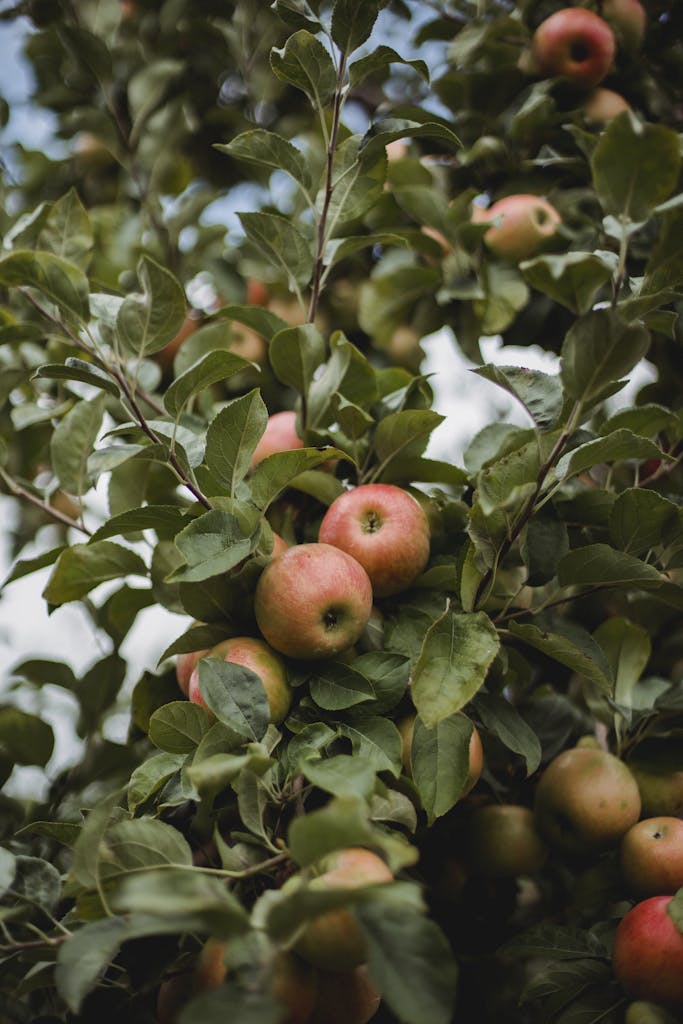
[647, 957]
[652, 857]
[406, 727]
[256, 292]
[279, 436]
[586, 800]
[334, 941]
[185, 666]
[574, 43]
[603, 105]
[647, 1013]
[503, 842]
[660, 792]
[628, 19]
[385, 529]
[526, 222]
[266, 663]
[345, 997]
[313, 601]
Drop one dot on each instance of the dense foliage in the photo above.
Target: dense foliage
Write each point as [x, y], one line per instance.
[142, 352]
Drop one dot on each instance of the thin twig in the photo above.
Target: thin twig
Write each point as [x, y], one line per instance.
[20, 491]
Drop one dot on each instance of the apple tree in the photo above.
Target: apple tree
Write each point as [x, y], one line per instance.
[387, 766]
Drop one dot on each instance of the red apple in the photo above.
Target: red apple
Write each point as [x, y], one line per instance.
[652, 856]
[648, 954]
[628, 19]
[266, 663]
[503, 842]
[279, 545]
[345, 997]
[279, 436]
[574, 43]
[257, 293]
[520, 225]
[314, 601]
[602, 105]
[385, 529]
[185, 666]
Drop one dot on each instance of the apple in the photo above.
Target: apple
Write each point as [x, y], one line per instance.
[280, 545]
[641, 1012]
[185, 666]
[602, 105]
[172, 995]
[647, 957]
[521, 223]
[406, 727]
[91, 152]
[575, 43]
[404, 347]
[345, 997]
[628, 19]
[660, 791]
[245, 342]
[165, 356]
[266, 663]
[652, 857]
[503, 842]
[586, 800]
[257, 293]
[313, 601]
[396, 150]
[279, 436]
[334, 941]
[385, 529]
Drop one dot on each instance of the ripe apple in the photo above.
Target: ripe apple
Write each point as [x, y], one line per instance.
[279, 545]
[257, 293]
[641, 1012]
[385, 529]
[313, 601]
[660, 791]
[185, 666]
[266, 663]
[602, 105]
[574, 43]
[586, 800]
[652, 857]
[406, 727]
[648, 954]
[334, 941]
[165, 356]
[503, 842]
[522, 224]
[628, 19]
[279, 436]
[345, 997]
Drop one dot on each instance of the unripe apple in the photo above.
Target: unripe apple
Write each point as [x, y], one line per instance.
[503, 842]
[574, 43]
[404, 347]
[406, 727]
[385, 529]
[266, 663]
[652, 857]
[628, 19]
[641, 1012]
[313, 601]
[279, 436]
[603, 105]
[661, 791]
[586, 800]
[334, 941]
[647, 957]
[345, 997]
[523, 223]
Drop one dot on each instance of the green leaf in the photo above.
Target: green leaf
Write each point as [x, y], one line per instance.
[26, 566]
[72, 442]
[338, 249]
[78, 369]
[297, 14]
[635, 166]
[571, 646]
[641, 519]
[62, 282]
[555, 942]
[295, 354]
[502, 719]
[347, 373]
[539, 393]
[440, 763]
[456, 654]
[276, 472]
[304, 62]
[25, 738]
[140, 844]
[150, 776]
[572, 278]
[358, 181]
[67, 231]
[377, 741]
[619, 445]
[390, 129]
[232, 438]
[166, 520]
[544, 542]
[281, 243]
[269, 150]
[211, 545]
[404, 433]
[210, 369]
[178, 727]
[342, 775]
[352, 23]
[229, 1003]
[336, 687]
[429, 471]
[628, 650]
[182, 901]
[83, 959]
[601, 565]
[380, 59]
[598, 350]
[83, 567]
[260, 320]
[236, 696]
[8, 869]
[150, 89]
[147, 321]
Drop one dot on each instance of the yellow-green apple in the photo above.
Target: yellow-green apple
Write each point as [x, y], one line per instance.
[334, 941]
[279, 436]
[313, 601]
[403, 347]
[647, 957]
[406, 727]
[385, 529]
[261, 659]
[345, 997]
[660, 791]
[575, 43]
[642, 1012]
[628, 19]
[602, 105]
[503, 842]
[586, 800]
[520, 224]
[652, 857]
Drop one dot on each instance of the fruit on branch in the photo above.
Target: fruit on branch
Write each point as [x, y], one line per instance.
[313, 601]
[503, 842]
[404, 347]
[257, 293]
[185, 666]
[266, 663]
[661, 792]
[334, 940]
[345, 997]
[279, 436]
[576, 44]
[385, 529]
[165, 356]
[652, 856]
[586, 800]
[602, 105]
[246, 343]
[520, 224]
[628, 20]
[406, 727]
[647, 957]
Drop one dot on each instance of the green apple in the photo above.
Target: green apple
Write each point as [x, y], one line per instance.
[651, 856]
[661, 791]
[503, 842]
